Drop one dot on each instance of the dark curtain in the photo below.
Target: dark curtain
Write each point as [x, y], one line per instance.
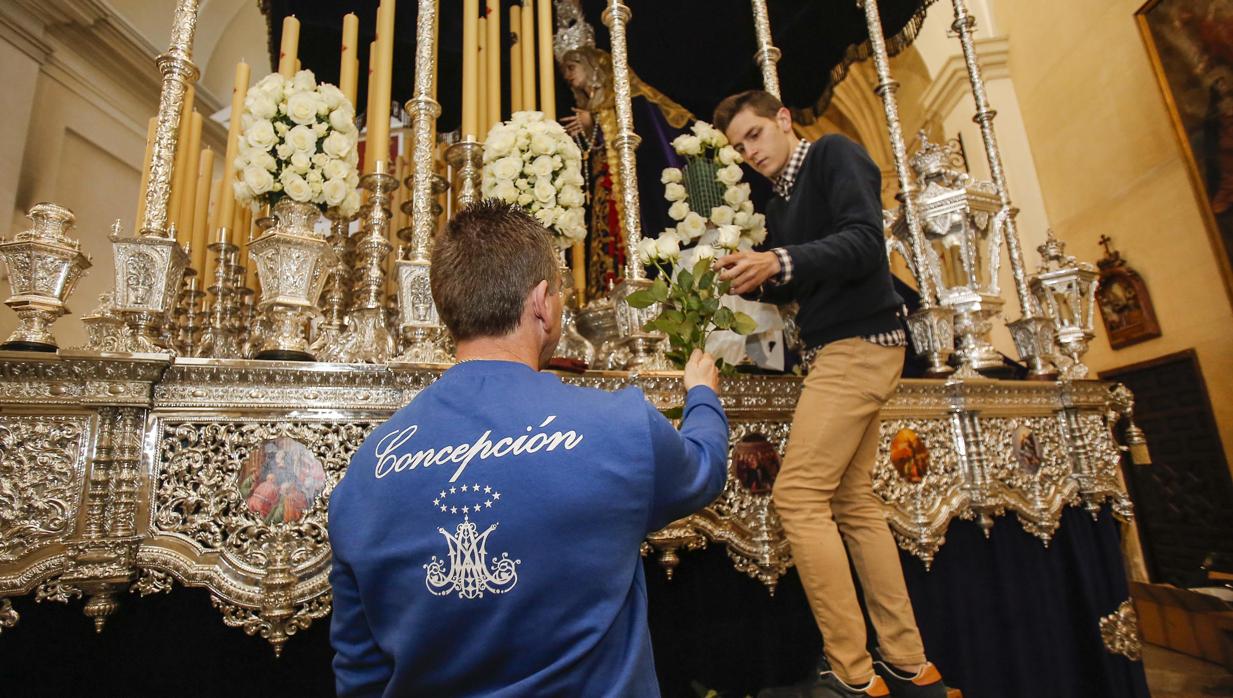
[1003, 618]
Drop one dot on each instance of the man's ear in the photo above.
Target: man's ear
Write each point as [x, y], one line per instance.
[539, 300]
[784, 118]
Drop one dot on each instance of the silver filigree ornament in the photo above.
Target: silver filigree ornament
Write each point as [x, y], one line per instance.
[1120, 632]
[293, 261]
[1066, 291]
[44, 266]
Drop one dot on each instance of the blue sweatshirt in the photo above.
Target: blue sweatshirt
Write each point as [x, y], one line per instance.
[486, 538]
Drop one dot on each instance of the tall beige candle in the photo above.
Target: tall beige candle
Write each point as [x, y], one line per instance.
[226, 200]
[515, 59]
[348, 66]
[201, 212]
[493, 58]
[470, 69]
[379, 133]
[289, 49]
[188, 185]
[481, 58]
[547, 72]
[206, 280]
[369, 110]
[528, 55]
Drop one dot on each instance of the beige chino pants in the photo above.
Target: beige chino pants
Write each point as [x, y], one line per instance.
[824, 496]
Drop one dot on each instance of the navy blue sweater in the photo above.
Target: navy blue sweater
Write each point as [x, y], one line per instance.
[832, 228]
[486, 539]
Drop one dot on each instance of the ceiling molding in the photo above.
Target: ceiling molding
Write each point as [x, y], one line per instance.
[23, 31]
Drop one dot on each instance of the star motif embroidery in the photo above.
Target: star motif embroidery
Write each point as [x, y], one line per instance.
[488, 503]
[496, 495]
[443, 507]
[453, 510]
[487, 490]
[436, 502]
[464, 488]
[453, 490]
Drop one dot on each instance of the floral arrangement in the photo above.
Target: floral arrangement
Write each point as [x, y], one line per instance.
[531, 162]
[299, 142]
[728, 226]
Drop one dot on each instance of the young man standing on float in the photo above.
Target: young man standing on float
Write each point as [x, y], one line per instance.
[826, 251]
[486, 538]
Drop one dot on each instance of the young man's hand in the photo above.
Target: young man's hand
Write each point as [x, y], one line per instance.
[701, 370]
[747, 270]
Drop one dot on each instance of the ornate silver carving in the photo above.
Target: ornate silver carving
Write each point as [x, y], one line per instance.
[42, 461]
[293, 261]
[148, 271]
[1120, 632]
[367, 338]
[932, 331]
[573, 30]
[1066, 290]
[464, 158]
[1028, 339]
[44, 266]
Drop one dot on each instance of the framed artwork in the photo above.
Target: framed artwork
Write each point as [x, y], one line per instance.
[1124, 301]
[1190, 43]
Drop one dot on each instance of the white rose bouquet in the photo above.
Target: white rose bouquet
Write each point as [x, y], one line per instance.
[711, 183]
[298, 141]
[530, 161]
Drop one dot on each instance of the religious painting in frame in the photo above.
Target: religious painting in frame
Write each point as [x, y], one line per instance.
[1190, 43]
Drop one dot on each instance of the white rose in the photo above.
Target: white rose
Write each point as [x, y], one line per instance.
[735, 196]
[261, 135]
[570, 150]
[747, 206]
[543, 144]
[525, 198]
[281, 129]
[260, 105]
[757, 220]
[678, 210]
[757, 236]
[352, 204]
[335, 191]
[271, 85]
[572, 175]
[314, 177]
[722, 215]
[332, 96]
[507, 167]
[693, 226]
[285, 151]
[541, 166]
[304, 139]
[547, 215]
[703, 252]
[573, 224]
[744, 245]
[545, 192]
[321, 128]
[505, 191]
[302, 107]
[741, 219]
[264, 161]
[500, 142]
[321, 160]
[668, 248]
[335, 169]
[686, 144]
[304, 80]
[300, 162]
[729, 156]
[729, 237]
[674, 192]
[570, 196]
[343, 119]
[729, 175]
[671, 175]
[296, 187]
[337, 145]
[258, 180]
[648, 251]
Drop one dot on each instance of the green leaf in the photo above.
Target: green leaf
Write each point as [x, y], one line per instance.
[685, 280]
[710, 306]
[701, 267]
[641, 299]
[723, 318]
[744, 324]
[659, 290]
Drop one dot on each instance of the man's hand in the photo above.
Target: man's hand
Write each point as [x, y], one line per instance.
[701, 370]
[747, 270]
[579, 123]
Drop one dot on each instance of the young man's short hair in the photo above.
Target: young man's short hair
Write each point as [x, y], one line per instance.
[483, 266]
[760, 102]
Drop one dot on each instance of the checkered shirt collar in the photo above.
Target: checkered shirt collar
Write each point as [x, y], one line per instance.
[786, 180]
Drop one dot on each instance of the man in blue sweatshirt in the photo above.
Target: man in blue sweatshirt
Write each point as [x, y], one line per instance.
[486, 538]
[826, 251]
